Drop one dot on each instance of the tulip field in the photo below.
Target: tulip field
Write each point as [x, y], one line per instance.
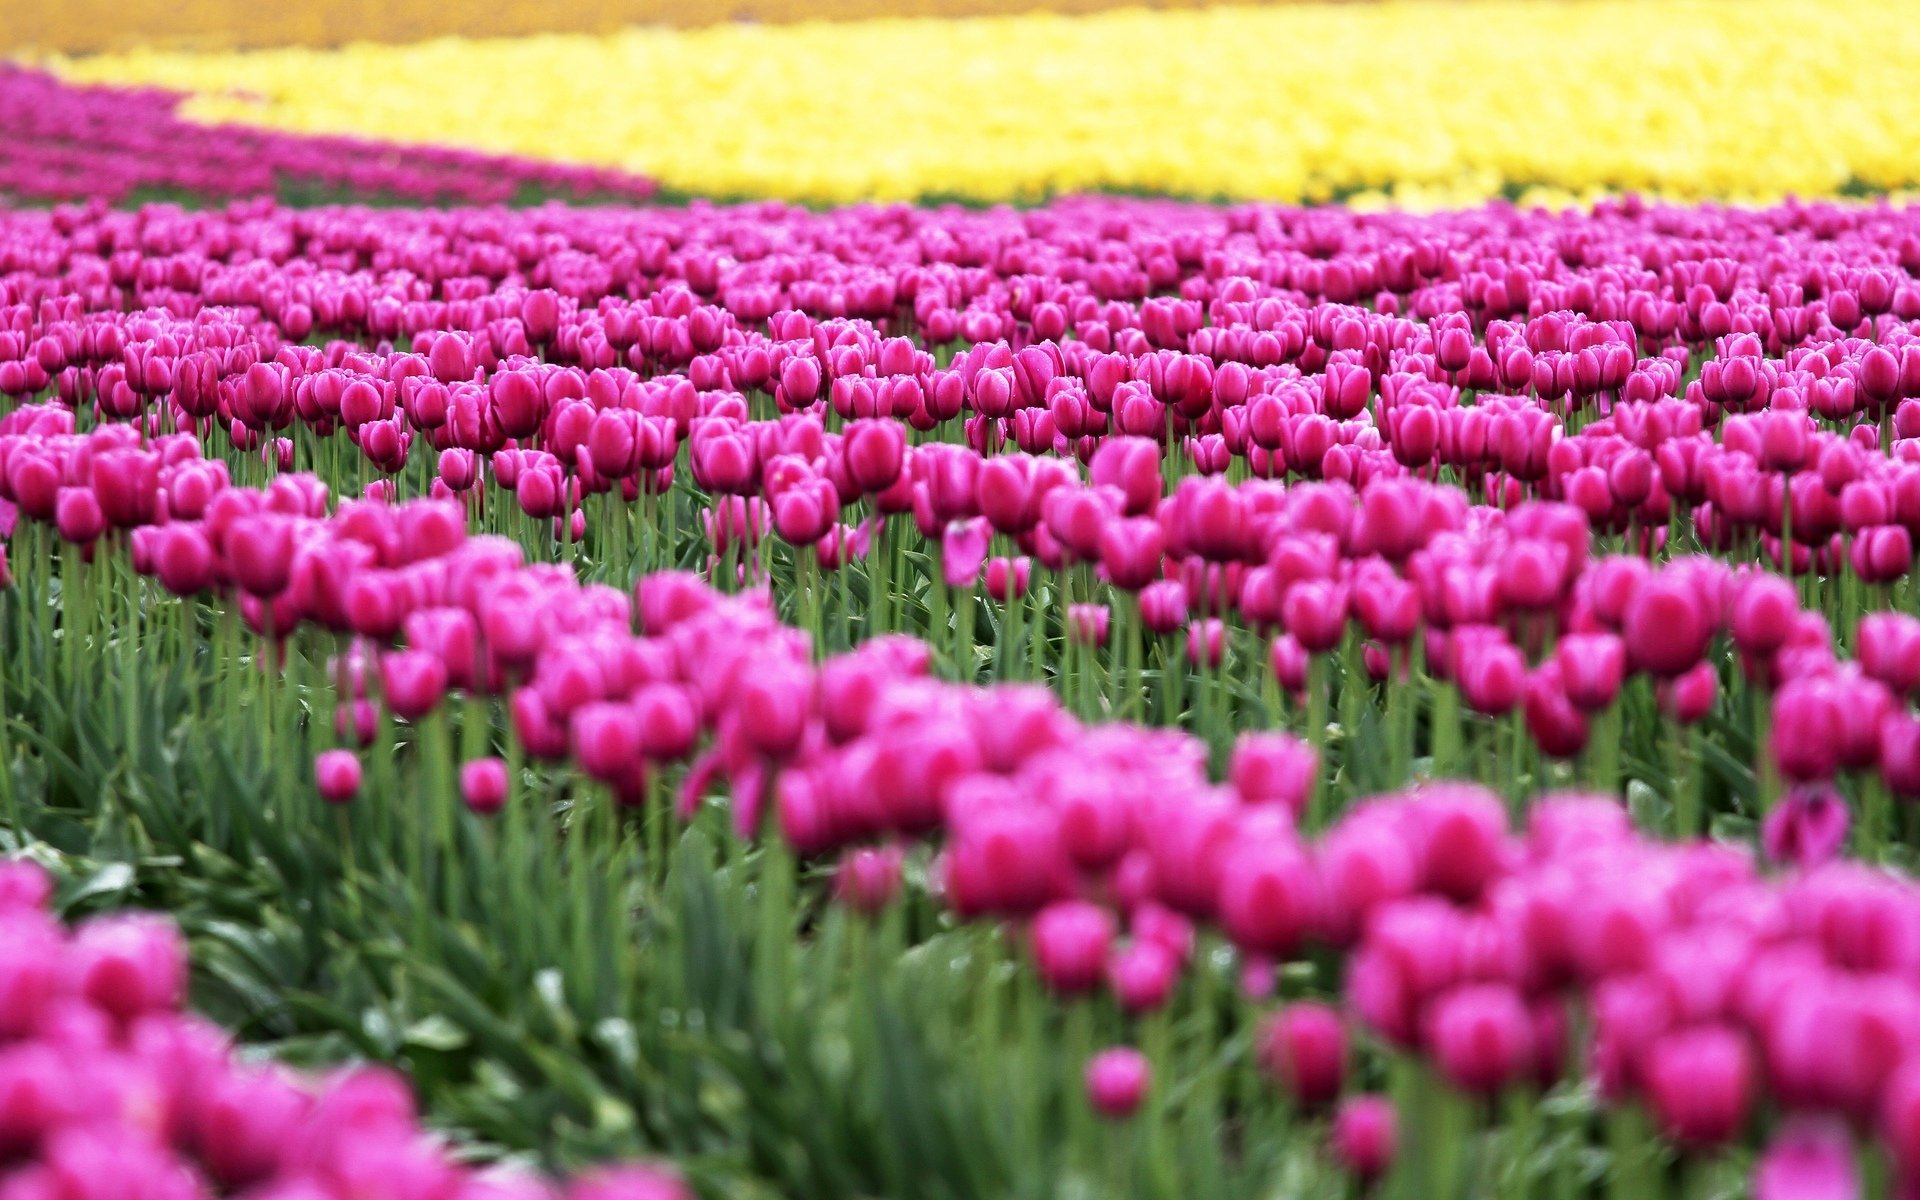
[521, 683]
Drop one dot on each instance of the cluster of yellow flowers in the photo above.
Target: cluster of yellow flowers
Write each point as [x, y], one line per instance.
[91, 26]
[1434, 103]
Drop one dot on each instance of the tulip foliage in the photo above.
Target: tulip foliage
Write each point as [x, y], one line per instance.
[1121, 695]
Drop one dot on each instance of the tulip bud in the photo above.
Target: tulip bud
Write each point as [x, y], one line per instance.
[1070, 943]
[336, 776]
[1304, 1049]
[1117, 1081]
[483, 785]
[1700, 1083]
[1365, 1135]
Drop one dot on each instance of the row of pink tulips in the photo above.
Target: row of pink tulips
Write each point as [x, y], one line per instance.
[109, 1090]
[62, 141]
[1711, 993]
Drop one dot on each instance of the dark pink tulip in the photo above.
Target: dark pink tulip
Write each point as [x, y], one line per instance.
[483, 785]
[605, 737]
[1559, 727]
[806, 512]
[1007, 578]
[1270, 896]
[183, 559]
[964, 551]
[1206, 642]
[1462, 830]
[1131, 466]
[1117, 1081]
[1592, 667]
[1882, 553]
[259, 553]
[1689, 697]
[772, 706]
[412, 681]
[1365, 1135]
[1664, 628]
[1071, 939]
[1808, 1160]
[1273, 768]
[1142, 976]
[1315, 612]
[1491, 672]
[1482, 1036]
[336, 775]
[1807, 715]
[1763, 613]
[1131, 552]
[1807, 829]
[78, 517]
[1087, 624]
[1888, 647]
[1700, 1082]
[669, 721]
[1304, 1048]
[875, 452]
[868, 879]
[129, 965]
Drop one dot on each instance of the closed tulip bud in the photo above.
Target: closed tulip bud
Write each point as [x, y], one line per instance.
[1087, 624]
[1304, 1049]
[963, 549]
[1365, 1135]
[259, 553]
[1315, 612]
[1665, 630]
[1558, 726]
[1808, 1160]
[336, 775]
[129, 965]
[413, 681]
[183, 559]
[1700, 1083]
[605, 737]
[1882, 553]
[1690, 697]
[868, 879]
[1142, 976]
[1273, 768]
[1492, 674]
[1206, 642]
[1482, 1036]
[1806, 830]
[1132, 467]
[483, 785]
[669, 721]
[1807, 714]
[1132, 551]
[875, 452]
[1763, 613]
[1117, 1081]
[1592, 668]
[800, 381]
[1007, 578]
[1270, 897]
[1071, 939]
[1888, 647]
[1163, 606]
[772, 706]
[77, 516]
